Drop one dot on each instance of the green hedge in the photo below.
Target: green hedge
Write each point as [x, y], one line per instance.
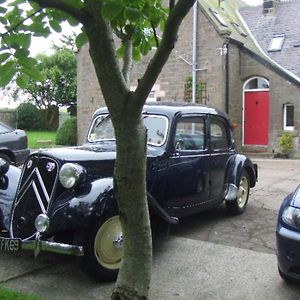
[67, 133]
[28, 117]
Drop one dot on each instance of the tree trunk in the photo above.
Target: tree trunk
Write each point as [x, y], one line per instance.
[130, 190]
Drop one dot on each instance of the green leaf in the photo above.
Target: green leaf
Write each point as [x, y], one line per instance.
[81, 39]
[40, 29]
[2, 1]
[121, 51]
[7, 72]
[19, 40]
[22, 81]
[27, 62]
[22, 53]
[33, 73]
[132, 14]
[3, 10]
[3, 20]
[4, 57]
[55, 25]
[111, 10]
[72, 21]
[136, 54]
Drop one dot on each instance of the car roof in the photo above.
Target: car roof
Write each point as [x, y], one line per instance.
[172, 108]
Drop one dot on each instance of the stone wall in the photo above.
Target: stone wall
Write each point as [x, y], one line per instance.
[7, 117]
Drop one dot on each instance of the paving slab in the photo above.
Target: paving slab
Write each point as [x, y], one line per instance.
[183, 269]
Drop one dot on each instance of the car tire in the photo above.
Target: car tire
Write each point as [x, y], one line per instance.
[287, 278]
[5, 157]
[103, 249]
[238, 205]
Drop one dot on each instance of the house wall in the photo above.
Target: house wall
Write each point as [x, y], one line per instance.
[281, 92]
[212, 65]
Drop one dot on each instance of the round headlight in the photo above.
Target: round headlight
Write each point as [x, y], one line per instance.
[70, 174]
[42, 223]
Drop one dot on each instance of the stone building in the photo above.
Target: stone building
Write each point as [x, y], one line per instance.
[230, 56]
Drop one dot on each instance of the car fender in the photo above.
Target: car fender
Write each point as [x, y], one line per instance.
[80, 208]
[8, 152]
[8, 188]
[234, 169]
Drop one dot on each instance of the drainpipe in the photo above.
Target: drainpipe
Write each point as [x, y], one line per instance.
[194, 51]
[226, 53]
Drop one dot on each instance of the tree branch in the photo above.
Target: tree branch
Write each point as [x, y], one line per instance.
[103, 53]
[127, 59]
[20, 22]
[78, 14]
[155, 35]
[171, 4]
[162, 53]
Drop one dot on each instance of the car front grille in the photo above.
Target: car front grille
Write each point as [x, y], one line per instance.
[35, 192]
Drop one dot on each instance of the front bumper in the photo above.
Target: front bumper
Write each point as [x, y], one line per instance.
[288, 252]
[39, 245]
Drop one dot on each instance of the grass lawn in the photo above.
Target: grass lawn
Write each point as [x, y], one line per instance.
[7, 294]
[34, 136]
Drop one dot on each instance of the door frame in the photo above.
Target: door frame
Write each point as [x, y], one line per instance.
[243, 107]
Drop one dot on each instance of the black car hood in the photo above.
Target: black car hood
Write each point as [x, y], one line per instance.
[296, 198]
[95, 152]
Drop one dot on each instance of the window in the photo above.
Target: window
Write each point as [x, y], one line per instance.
[4, 128]
[190, 134]
[219, 138]
[277, 43]
[257, 83]
[288, 117]
[157, 128]
[218, 17]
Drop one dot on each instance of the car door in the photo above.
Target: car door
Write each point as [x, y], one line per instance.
[186, 185]
[221, 149]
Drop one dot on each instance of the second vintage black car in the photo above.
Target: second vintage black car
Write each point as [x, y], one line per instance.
[63, 199]
[13, 145]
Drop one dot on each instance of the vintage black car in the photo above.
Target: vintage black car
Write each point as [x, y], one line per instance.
[63, 199]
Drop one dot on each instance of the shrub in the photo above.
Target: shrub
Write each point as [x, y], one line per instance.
[67, 133]
[28, 117]
[286, 143]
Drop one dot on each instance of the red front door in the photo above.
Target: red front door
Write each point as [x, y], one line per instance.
[256, 118]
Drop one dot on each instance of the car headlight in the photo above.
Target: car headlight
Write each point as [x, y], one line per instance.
[71, 174]
[291, 216]
[42, 223]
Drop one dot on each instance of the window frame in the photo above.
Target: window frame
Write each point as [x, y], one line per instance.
[273, 45]
[285, 126]
[203, 118]
[226, 125]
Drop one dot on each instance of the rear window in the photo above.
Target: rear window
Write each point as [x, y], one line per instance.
[4, 128]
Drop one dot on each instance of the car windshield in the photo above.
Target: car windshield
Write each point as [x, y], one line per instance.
[157, 128]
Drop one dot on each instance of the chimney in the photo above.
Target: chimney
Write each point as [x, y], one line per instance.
[269, 6]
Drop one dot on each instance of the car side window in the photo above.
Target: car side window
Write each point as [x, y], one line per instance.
[219, 138]
[190, 134]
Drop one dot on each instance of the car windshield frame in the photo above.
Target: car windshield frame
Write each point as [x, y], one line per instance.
[105, 116]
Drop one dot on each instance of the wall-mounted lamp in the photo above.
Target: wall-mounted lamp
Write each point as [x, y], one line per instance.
[223, 50]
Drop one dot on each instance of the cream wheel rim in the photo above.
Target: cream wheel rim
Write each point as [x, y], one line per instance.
[243, 192]
[108, 244]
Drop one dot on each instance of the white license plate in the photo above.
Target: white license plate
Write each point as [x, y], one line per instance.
[10, 245]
